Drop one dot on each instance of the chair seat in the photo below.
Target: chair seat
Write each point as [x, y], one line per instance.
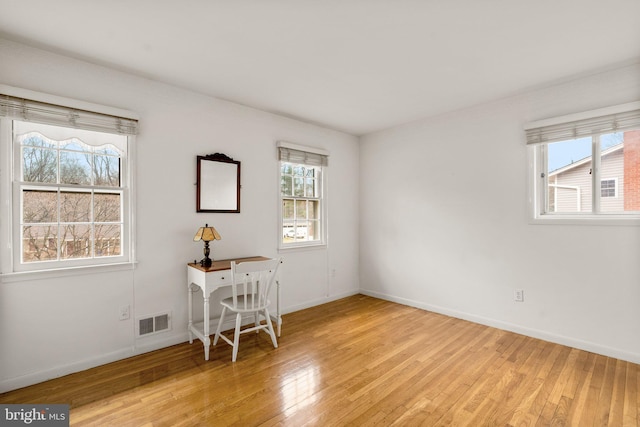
[228, 302]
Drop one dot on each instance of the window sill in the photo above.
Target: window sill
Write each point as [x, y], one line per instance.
[620, 220]
[62, 272]
[301, 247]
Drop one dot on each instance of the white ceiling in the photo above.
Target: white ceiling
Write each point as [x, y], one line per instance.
[352, 65]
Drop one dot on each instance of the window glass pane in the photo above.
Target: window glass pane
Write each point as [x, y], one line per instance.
[39, 206]
[75, 168]
[298, 170]
[286, 185]
[287, 169]
[298, 187]
[106, 170]
[309, 189]
[301, 230]
[620, 171]
[75, 207]
[569, 170]
[288, 231]
[312, 209]
[301, 209]
[39, 243]
[107, 207]
[107, 240]
[75, 241]
[39, 165]
[287, 209]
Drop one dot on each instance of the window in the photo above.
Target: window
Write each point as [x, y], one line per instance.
[587, 165]
[608, 187]
[69, 191]
[302, 214]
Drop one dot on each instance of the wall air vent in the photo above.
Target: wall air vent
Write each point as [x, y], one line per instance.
[154, 324]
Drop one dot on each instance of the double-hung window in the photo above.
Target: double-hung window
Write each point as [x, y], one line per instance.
[587, 165]
[302, 195]
[67, 183]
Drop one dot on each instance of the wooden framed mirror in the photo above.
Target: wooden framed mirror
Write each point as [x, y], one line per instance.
[218, 184]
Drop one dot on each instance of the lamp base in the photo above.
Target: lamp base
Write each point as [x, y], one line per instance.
[206, 261]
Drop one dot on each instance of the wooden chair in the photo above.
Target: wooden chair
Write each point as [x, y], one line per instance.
[252, 281]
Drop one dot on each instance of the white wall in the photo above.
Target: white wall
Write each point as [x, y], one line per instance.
[52, 327]
[444, 225]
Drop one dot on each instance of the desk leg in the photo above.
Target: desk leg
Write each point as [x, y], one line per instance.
[190, 304]
[207, 338]
[278, 318]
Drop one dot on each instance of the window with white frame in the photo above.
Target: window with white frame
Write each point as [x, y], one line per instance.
[608, 187]
[587, 165]
[302, 207]
[67, 184]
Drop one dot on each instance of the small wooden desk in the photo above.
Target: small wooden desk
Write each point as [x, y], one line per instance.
[210, 279]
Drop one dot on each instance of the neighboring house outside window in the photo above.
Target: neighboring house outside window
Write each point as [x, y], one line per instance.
[302, 193]
[587, 168]
[70, 191]
[570, 185]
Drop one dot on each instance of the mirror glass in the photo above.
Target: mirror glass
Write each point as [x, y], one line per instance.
[218, 185]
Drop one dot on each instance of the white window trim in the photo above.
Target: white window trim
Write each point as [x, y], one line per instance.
[536, 192]
[323, 205]
[8, 272]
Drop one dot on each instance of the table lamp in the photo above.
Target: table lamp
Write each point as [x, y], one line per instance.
[206, 234]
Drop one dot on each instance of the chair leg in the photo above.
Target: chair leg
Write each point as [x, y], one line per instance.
[236, 337]
[270, 328]
[220, 322]
[256, 315]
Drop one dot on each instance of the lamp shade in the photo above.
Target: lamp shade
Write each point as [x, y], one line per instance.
[207, 234]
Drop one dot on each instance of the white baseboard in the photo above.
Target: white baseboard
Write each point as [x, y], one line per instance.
[511, 327]
[81, 365]
[59, 371]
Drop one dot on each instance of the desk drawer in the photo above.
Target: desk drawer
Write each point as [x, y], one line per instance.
[208, 281]
[218, 278]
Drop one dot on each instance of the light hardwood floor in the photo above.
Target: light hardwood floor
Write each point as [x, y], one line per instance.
[356, 361]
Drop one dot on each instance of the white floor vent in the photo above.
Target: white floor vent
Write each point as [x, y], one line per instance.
[154, 324]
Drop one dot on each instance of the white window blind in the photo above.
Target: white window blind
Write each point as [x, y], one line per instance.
[291, 155]
[574, 127]
[41, 112]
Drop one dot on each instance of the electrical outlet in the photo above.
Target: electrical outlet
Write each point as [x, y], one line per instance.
[518, 295]
[124, 312]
